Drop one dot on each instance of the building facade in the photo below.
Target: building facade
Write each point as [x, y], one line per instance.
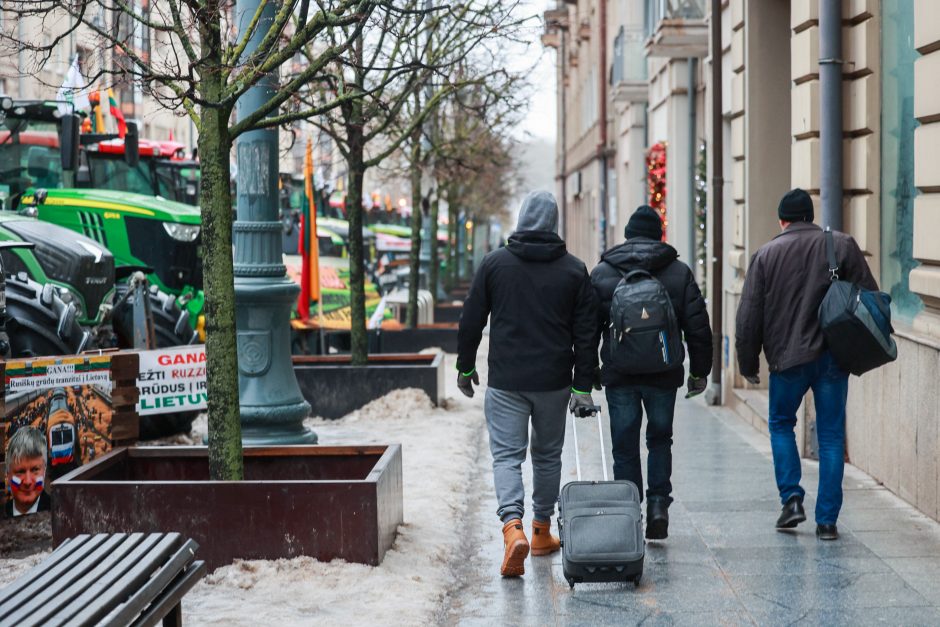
[628, 108]
[22, 76]
[771, 127]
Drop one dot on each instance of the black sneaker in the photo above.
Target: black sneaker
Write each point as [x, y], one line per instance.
[792, 513]
[657, 520]
[827, 532]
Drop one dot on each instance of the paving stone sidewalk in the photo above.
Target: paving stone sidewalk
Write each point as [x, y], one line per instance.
[723, 563]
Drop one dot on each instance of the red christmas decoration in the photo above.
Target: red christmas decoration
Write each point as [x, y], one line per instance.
[656, 181]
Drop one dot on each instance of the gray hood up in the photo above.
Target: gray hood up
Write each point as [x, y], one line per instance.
[539, 212]
[536, 236]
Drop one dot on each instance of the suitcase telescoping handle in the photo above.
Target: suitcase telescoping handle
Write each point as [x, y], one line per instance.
[600, 437]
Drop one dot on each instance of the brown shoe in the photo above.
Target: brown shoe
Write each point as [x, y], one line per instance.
[517, 549]
[543, 542]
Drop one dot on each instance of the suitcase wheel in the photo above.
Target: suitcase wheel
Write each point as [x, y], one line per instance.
[636, 580]
[571, 584]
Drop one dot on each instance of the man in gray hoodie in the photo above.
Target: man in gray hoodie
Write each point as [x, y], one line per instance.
[542, 314]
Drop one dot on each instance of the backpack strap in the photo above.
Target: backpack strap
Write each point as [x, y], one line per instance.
[635, 273]
[831, 256]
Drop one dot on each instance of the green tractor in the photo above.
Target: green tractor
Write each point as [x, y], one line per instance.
[60, 290]
[41, 173]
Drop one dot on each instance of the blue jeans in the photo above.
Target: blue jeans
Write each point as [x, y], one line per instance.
[626, 405]
[830, 385]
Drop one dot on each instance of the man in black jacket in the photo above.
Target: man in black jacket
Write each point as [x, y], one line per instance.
[541, 309]
[786, 282]
[628, 394]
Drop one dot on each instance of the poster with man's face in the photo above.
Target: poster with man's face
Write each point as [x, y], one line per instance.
[63, 407]
[26, 480]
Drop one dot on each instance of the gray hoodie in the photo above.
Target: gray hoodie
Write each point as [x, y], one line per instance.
[539, 212]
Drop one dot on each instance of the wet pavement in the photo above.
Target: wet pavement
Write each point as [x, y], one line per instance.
[723, 563]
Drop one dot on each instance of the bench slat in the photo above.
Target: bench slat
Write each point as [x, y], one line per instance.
[99, 606]
[118, 561]
[63, 551]
[18, 609]
[70, 584]
[172, 596]
[153, 589]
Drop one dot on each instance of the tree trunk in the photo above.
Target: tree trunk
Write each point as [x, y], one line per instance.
[414, 256]
[225, 437]
[434, 268]
[359, 335]
[452, 239]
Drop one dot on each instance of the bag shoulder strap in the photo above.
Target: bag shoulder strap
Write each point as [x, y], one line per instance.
[831, 255]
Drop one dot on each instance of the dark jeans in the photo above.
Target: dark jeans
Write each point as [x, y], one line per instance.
[626, 405]
[830, 385]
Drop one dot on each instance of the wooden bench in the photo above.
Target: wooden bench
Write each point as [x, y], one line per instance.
[106, 579]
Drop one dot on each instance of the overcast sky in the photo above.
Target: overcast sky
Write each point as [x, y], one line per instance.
[540, 121]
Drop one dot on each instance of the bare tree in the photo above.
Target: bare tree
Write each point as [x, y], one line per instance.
[204, 56]
[469, 139]
[400, 64]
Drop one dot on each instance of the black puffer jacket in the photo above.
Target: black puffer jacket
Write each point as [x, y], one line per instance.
[662, 261]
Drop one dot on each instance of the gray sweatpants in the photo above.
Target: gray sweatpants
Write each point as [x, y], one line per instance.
[507, 417]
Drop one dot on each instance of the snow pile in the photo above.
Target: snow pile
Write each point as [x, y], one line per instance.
[439, 449]
[11, 569]
[395, 404]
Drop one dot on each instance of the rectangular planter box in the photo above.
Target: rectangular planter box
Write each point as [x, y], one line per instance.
[307, 341]
[447, 313]
[326, 502]
[334, 387]
[443, 336]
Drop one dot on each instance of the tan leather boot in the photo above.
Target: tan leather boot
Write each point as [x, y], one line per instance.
[543, 542]
[517, 549]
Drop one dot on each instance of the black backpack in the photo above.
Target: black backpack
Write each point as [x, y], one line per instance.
[644, 335]
[855, 322]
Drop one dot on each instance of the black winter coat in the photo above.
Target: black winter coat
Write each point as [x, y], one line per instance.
[785, 283]
[542, 316]
[662, 261]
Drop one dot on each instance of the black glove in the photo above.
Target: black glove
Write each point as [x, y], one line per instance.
[696, 385]
[466, 382]
[579, 401]
[753, 379]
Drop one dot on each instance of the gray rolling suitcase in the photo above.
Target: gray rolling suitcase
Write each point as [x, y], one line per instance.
[601, 527]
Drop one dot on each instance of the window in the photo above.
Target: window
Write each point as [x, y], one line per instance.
[616, 69]
[897, 156]
[24, 166]
[139, 179]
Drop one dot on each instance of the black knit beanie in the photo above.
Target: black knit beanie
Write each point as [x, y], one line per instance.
[795, 206]
[645, 222]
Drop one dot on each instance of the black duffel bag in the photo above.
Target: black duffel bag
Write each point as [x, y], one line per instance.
[855, 322]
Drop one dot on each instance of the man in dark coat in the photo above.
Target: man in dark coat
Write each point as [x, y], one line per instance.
[786, 282]
[628, 394]
[541, 311]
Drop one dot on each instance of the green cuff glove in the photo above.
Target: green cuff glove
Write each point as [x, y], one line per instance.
[696, 385]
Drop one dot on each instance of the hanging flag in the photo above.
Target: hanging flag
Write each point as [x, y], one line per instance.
[118, 114]
[95, 99]
[303, 247]
[72, 92]
[102, 94]
[312, 226]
